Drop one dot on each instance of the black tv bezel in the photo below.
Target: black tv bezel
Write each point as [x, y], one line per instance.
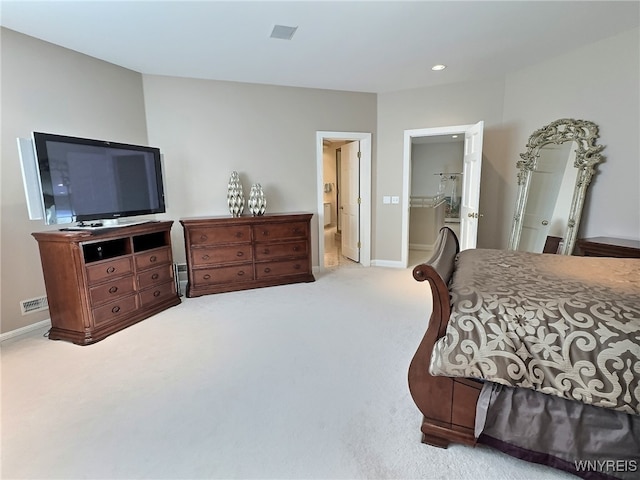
[40, 140]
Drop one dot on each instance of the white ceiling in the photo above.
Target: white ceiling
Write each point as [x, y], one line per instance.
[366, 46]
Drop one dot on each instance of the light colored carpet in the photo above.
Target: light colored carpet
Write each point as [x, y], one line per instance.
[298, 381]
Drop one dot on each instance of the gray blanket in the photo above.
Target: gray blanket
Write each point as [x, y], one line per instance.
[561, 325]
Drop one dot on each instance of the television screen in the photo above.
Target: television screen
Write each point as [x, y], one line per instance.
[84, 179]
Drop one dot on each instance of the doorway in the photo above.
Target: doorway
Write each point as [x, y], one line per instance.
[434, 199]
[469, 196]
[329, 215]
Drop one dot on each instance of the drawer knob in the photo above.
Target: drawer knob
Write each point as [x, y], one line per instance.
[265, 233]
[153, 258]
[297, 266]
[296, 248]
[240, 254]
[266, 251]
[111, 269]
[115, 309]
[113, 289]
[207, 276]
[241, 273]
[297, 230]
[267, 270]
[203, 237]
[205, 257]
[239, 234]
[155, 276]
[156, 293]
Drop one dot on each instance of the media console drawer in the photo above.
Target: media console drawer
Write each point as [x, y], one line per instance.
[114, 310]
[110, 291]
[109, 269]
[235, 253]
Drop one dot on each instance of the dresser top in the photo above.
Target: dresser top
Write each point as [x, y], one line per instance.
[617, 242]
[247, 219]
[74, 235]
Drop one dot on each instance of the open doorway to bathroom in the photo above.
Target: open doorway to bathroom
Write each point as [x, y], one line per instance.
[344, 198]
[339, 250]
[332, 154]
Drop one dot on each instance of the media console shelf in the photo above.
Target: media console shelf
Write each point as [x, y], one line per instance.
[226, 253]
[101, 281]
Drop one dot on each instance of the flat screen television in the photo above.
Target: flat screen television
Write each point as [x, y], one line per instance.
[84, 180]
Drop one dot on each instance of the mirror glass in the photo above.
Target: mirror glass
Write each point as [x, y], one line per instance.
[553, 175]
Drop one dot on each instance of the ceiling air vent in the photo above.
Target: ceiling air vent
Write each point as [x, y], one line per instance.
[283, 32]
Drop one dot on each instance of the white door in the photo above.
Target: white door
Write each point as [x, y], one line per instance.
[537, 217]
[470, 198]
[350, 205]
[540, 217]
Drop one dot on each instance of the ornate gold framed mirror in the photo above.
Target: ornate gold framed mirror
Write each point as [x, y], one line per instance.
[553, 177]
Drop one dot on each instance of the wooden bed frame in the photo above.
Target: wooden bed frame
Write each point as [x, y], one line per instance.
[448, 404]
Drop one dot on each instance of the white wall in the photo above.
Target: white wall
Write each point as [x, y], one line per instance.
[206, 129]
[430, 158]
[600, 83]
[455, 104]
[51, 89]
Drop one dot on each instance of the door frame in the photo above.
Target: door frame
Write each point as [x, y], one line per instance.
[406, 175]
[365, 190]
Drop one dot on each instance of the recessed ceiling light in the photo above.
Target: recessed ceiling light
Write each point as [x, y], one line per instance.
[454, 136]
[283, 32]
[438, 67]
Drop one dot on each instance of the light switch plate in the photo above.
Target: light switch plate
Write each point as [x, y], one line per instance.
[395, 200]
[386, 199]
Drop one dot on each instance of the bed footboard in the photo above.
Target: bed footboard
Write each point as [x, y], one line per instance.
[448, 404]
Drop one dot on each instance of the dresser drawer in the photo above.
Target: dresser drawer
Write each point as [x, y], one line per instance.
[152, 258]
[115, 310]
[155, 276]
[111, 291]
[232, 274]
[218, 255]
[157, 294]
[109, 269]
[215, 235]
[280, 250]
[284, 268]
[277, 231]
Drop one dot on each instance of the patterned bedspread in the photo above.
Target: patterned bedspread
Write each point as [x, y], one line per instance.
[562, 325]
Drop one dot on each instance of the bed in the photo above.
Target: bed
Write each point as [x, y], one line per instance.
[536, 355]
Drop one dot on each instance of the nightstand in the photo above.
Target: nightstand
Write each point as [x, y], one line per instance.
[608, 247]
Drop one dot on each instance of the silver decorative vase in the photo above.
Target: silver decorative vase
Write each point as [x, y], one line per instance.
[235, 196]
[257, 200]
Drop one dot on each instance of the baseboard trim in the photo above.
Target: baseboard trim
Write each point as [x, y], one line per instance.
[21, 331]
[421, 246]
[387, 263]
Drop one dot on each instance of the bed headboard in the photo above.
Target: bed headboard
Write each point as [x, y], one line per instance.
[443, 258]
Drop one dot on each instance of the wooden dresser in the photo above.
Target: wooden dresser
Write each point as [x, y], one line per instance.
[226, 253]
[99, 282]
[608, 247]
